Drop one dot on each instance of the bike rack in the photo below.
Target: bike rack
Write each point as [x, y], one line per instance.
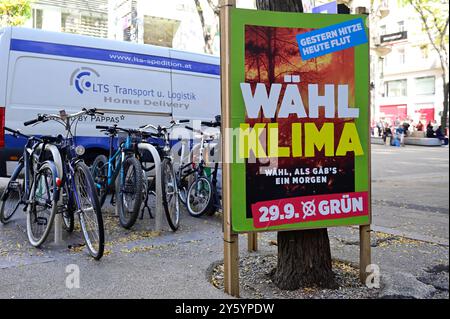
[157, 160]
[57, 223]
[158, 189]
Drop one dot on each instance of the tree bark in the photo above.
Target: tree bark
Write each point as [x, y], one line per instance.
[304, 260]
[280, 5]
[304, 257]
[207, 37]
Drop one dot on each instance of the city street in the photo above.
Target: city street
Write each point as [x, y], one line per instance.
[410, 243]
[410, 191]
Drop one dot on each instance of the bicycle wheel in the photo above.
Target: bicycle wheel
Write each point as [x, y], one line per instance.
[182, 194]
[129, 194]
[67, 210]
[12, 195]
[91, 219]
[199, 197]
[99, 171]
[43, 205]
[170, 194]
[182, 186]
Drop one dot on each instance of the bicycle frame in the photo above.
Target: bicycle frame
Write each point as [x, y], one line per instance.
[64, 154]
[199, 169]
[113, 169]
[31, 147]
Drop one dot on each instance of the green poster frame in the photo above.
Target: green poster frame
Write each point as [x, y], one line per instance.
[242, 17]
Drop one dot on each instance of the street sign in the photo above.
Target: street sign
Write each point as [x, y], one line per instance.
[301, 122]
[397, 36]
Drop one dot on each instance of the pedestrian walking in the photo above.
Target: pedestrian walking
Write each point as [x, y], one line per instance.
[387, 134]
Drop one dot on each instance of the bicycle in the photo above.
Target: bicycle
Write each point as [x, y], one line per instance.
[123, 161]
[16, 191]
[202, 196]
[217, 196]
[169, 184]
[69, 177]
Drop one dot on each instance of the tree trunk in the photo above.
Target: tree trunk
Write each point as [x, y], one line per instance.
[280, 5]
[207, 37]
[304, 260]
[445, 110]
[304, 257]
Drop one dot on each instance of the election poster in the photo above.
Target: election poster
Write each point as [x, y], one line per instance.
[300, 121]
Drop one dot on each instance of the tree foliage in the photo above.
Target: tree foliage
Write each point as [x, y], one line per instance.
[14, 12]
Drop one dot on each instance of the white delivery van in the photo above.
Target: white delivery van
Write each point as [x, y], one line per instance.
[44, 72]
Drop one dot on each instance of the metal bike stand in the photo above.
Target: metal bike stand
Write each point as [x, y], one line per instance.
[158, 189]
[57, 223]
[148, 147]
[58, 228]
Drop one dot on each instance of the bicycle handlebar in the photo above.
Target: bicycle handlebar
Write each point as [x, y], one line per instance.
[102, 127]
[18, 133]
[210, 136]
[30, 122]
[47, 117]
[217, 122]
[159, 128]
[211, 124]
[115, 128]
[194, 130]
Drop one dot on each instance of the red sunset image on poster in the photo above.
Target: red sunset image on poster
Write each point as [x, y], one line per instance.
[272, 56]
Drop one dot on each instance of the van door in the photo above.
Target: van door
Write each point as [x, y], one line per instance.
[195, 86]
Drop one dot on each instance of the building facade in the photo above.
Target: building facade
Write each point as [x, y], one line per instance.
[406, 73]
[174, 23]
[411, 75]
[406, 76]
[87, 17]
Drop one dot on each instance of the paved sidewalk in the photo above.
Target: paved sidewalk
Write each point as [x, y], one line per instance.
[410, 198]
